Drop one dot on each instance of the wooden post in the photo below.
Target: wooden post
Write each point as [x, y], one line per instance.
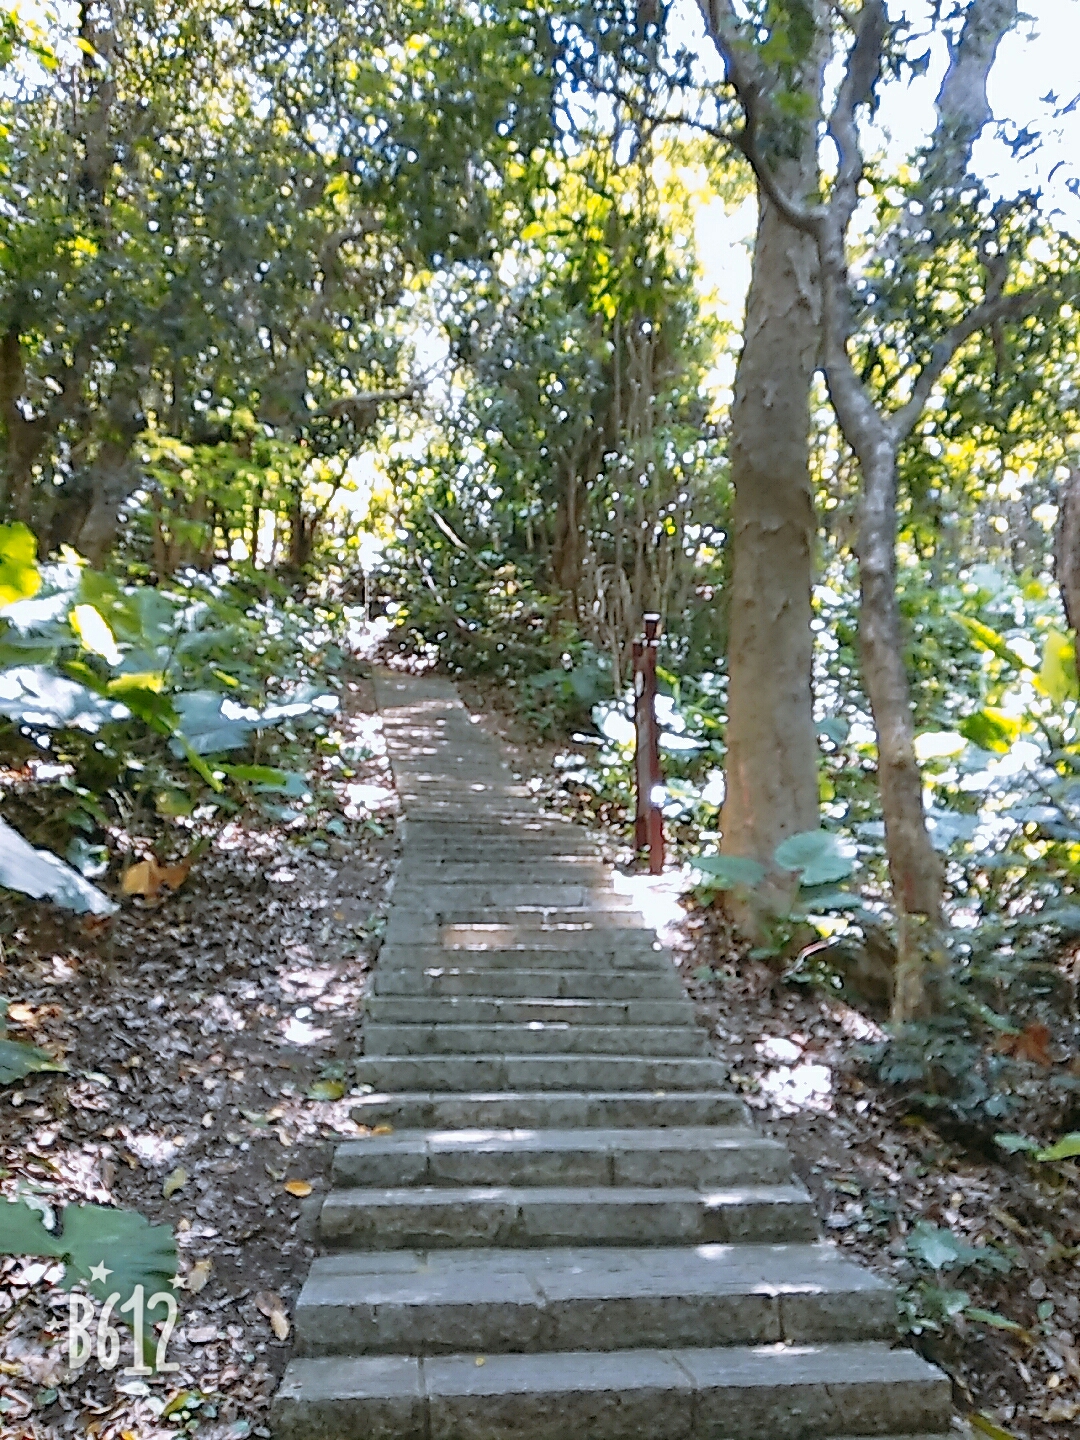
[649, 819]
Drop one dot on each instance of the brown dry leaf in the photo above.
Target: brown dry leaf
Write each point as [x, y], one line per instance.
[147, 878]
[273, 1307]
[299, 1188]
[174, 1182]
[1062, 1410]
[383, 1130]
[1032, 1043]
[20, 1014]
[197, 1276]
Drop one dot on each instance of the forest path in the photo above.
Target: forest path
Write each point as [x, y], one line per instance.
[571, 1228]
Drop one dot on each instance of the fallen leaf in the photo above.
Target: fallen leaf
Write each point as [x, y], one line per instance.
[273, 1307]
[383, 1130]
[986, 1426]
[20, 1014]
[197, 1276]
[327, 1090]
[1062, 1410]
[299, 1188]
[481, 1360]
[147, 878]
[174, 1182]
[1032, 1043]
[178, 1401]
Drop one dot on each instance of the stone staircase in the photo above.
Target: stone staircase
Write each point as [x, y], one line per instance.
[572, 1232]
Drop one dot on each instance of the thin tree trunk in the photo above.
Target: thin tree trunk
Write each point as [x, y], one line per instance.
[772, 755]
[914, 866]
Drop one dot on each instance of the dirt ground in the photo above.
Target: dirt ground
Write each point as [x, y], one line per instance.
[208, 1040]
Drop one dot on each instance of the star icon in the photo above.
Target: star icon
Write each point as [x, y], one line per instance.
[177, 1282]
[99, 1274]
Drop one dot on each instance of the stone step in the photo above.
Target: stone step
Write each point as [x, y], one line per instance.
[466, 977]
[538, 949]
[798, 1392]
[688, 1156]
[511, 847]
[538, 1072]
[550, 833]
[539, 1037]
[477, 818]
[445, 1218]
[501, 871]
[561, 903]
[501, 1301]
[570, 1109]
[480, 1010]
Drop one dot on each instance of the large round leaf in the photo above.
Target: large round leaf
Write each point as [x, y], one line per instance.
[816, 855]
[728, 872]
[89, 1237]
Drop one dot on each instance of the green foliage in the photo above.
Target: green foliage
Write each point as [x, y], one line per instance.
[134, 694]
[817, 857]
[19, 575]
[86, 1236]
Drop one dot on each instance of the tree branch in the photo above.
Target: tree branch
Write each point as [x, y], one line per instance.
[991, 311]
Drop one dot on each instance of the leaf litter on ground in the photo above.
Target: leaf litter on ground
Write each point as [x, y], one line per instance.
[174, 1027]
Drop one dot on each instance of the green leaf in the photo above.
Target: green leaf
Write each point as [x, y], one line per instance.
[991, 729]
[817, 856]
[327, 1090]
[1066, 1149]
[39, 873]
[998, 1322]
[987, 639]
[819, 900]
[137, 1252]
[940, 1249]
[1014, 1144]
[730, 872]
[986, 1426]
[264, 775]
[94, 634]
[18, 1060]
[35, 695]
[23, 1232]
[198, 764]
[1058, 673]
[20, 577]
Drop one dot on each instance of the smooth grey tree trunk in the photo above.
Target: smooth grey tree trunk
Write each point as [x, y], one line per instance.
[772, 757]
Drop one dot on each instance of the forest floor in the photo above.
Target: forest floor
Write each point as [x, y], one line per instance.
[208, 1037]
[882, 1175]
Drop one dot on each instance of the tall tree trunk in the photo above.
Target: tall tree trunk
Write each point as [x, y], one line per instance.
[772, 755]
[914, 866]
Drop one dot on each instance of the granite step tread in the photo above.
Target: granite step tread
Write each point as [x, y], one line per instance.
[678, 1155]
[571, 1109]
[483, 1010]
[535, 1216]
[460, 975]
[771, 1392]
[539, 1072]
[501, 1301]
[536, 1037]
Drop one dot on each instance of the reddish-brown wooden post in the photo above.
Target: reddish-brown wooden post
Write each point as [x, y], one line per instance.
[649, 819]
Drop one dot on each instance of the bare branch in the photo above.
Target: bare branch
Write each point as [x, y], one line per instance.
[990, 312]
